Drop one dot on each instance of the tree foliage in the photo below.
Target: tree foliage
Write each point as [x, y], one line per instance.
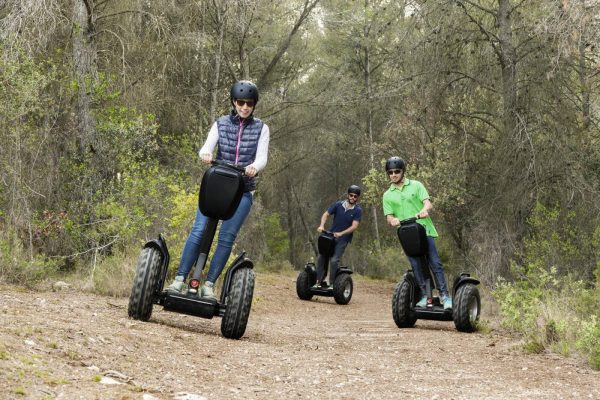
[493, 104]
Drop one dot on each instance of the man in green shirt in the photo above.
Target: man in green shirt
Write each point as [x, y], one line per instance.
[405, 199]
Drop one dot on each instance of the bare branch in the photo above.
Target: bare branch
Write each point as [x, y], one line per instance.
[308, 7]
[124, 12]
[478, 6]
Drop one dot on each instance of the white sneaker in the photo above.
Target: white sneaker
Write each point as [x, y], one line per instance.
[447, 302]
[422, 303]
[207, 291]
[177, 284]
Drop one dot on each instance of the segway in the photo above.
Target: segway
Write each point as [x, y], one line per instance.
[220, 193]
[466, 303]
[342, 287]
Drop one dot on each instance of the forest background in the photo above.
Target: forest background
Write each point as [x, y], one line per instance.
[494, 105]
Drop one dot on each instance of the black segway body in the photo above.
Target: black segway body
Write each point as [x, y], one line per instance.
[342, 285]
[220, 193]
[465, 295]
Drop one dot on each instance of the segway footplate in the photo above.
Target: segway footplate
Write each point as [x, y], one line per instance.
[204, 307]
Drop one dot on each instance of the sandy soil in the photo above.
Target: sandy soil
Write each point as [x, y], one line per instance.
[71, 345]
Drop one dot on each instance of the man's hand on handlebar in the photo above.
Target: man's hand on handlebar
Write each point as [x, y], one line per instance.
[320, 229]
[394, 221]
[422, 214]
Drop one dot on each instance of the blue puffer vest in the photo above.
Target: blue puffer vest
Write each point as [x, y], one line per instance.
[228, 126]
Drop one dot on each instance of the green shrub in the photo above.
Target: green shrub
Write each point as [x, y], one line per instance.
[113, 276]
[276, 238]
[588, 341]
[553, 312]
[534, 346]
[18, 267]
[182, 213]
[389, 264]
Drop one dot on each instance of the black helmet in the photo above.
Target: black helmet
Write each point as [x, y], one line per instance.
[395, 163]
[354, 189]
[244, 90]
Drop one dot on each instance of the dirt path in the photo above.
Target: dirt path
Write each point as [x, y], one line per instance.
[69, 345]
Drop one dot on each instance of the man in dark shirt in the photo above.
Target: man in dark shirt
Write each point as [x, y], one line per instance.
[346, 217]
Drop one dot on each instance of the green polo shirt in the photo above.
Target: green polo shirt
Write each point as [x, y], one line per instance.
[406, 202]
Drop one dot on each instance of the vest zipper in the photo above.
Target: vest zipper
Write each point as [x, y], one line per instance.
[239, 139]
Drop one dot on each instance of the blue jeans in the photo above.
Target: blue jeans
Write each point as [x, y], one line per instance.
[227, 234]
[433, 258]
[334, 262]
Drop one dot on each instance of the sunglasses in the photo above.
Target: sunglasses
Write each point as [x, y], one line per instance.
[240, 103]
[354, 196]
[394, 172]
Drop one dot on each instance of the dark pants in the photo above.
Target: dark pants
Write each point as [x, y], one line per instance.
[334, 262]
[433, 260]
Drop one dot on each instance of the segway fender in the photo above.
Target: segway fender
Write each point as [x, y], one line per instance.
[240, 262]
[312, 271]
[161, 245]
[461, 280]
[410, 278]
[344, 270]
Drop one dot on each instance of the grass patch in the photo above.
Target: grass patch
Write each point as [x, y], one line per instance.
[534, 346]
[3, 352]
[555, 313]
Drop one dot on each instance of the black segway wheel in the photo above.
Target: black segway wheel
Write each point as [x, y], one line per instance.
[144, 284]
[238, 302]
[303, 284]
[404, 317]
[342, 288]
[466, 308]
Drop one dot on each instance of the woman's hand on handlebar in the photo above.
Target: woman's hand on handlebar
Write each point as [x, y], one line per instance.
[422, 214]
[320, 229]
[206, 158]
[250, 171]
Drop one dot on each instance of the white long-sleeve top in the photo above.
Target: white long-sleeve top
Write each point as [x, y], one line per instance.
[262, 151]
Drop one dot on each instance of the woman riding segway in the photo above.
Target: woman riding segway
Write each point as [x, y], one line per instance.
[226, 195]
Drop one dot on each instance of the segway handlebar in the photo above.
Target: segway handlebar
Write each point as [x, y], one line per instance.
[226, 164]
[408, 221]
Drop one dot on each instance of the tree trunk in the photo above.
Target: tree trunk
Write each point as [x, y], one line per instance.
[86, 71]
[508, 60]
[309, 236]
[290, 223]
[585, 90]
[218, 58]
[369, 106]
